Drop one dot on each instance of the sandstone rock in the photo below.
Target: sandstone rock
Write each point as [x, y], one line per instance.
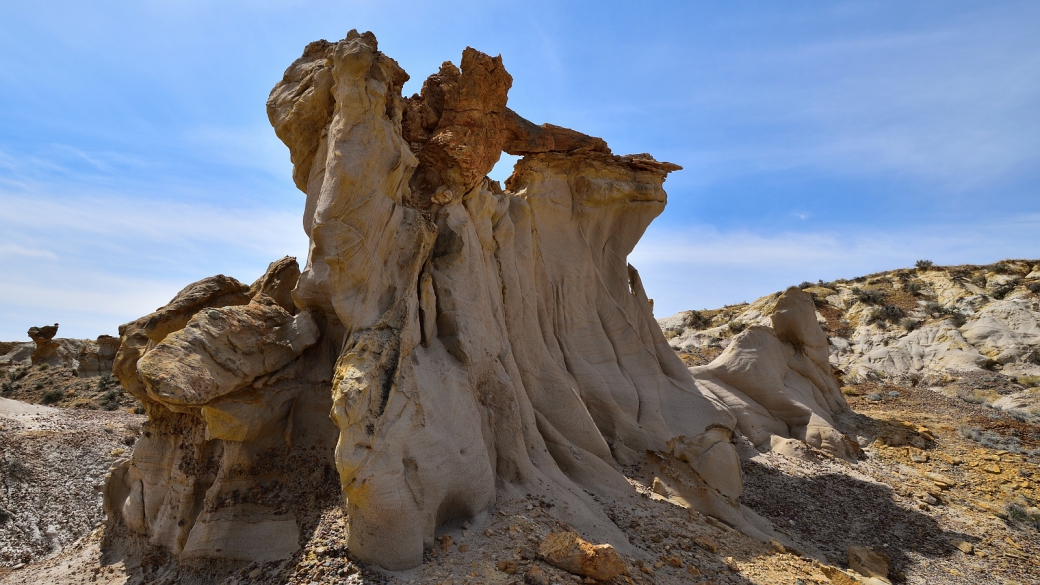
[868, 563]
[98, 358]
[568, 551]
[222, 350]
[471, 342]
[778, 380]
[46, 348]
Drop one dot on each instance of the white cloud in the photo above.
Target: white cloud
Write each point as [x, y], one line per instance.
[95, 261]
[703, 267]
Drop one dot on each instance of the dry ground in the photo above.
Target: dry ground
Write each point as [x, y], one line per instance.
[886, 501]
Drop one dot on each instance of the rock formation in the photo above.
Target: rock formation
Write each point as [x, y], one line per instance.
[471, 342]
[46, 348]
[87, 357]
[972, 330]
[97, 358]
[778, 381]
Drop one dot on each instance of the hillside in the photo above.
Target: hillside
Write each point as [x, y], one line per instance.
[971, 332]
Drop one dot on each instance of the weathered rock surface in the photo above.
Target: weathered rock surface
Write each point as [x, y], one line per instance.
[974, 329]
[233, 412]
[778, 380]
[571, 553]
[87, 357]
[46, 348]
[471, 342]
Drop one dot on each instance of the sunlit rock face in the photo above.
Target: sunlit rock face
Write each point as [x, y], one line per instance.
[449, 343]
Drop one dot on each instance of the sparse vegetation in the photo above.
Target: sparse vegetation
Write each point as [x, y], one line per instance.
[1029, 381]
[6, 388]
[910, 324]
[52, 396]
[924, 264]
[695, 320]
[992, 440]
[889, 313]
[913, 287]
[868, 296]
[736, 327]
[1019, 515]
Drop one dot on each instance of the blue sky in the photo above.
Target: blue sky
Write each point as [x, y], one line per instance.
[819, 140]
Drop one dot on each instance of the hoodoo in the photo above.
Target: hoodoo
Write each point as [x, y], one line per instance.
[472, 342]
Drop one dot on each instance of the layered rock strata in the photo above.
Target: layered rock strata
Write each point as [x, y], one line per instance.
[471, 342]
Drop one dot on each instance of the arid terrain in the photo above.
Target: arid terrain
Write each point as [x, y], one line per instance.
[465, 383]
[946, 489]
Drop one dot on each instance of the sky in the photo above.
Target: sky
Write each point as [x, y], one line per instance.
[819, 140]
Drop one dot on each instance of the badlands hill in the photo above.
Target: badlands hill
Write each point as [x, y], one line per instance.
[972, 332]
[465, 383]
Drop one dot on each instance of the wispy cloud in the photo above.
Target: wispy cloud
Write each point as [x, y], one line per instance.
[704, 267]
[94, 261]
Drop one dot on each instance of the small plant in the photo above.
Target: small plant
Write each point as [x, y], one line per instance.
[38, 386]
[6, 388]
[1033, 287]
[139, 410]
[736, 327]
[913, 287]
[1020, 515]
[18, 374]
[805, 284]
[694, 320]
[868, 296]
[1003, 290]
[1029, 381]
[890, 313]
[924, 264]
[979, 280]
[909, 324]
[992, 440]
[52, 396]
[43, 367]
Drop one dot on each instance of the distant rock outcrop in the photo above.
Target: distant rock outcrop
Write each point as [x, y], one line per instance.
[471, 342]
[46, 348]
[87, 357]
[972, 330]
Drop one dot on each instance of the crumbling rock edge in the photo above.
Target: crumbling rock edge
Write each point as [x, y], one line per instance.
[470, 342]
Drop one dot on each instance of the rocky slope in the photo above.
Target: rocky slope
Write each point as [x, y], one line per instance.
[973, 331]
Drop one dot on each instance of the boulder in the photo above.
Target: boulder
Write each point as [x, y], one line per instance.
[568, 551]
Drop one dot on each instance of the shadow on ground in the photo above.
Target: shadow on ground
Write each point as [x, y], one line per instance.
[832, 511]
